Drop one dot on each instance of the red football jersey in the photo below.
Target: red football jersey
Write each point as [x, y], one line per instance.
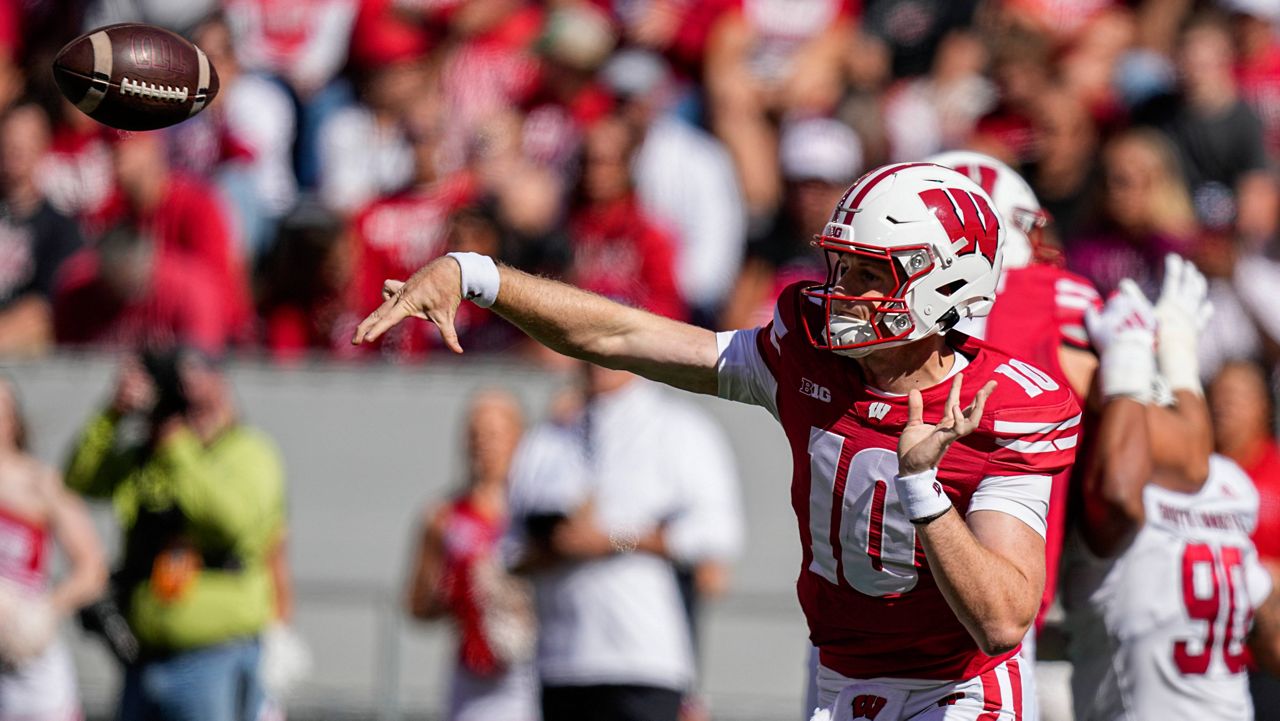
[865, 585]
[1039, 309]
[470, 538]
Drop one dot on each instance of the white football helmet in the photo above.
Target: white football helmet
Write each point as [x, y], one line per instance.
[1013, 197]
[942, 239]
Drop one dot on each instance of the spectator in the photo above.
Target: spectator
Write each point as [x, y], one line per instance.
[457, 574]
[124, 292]
[910, 33]
[617, 250]
[1022, 69]
[1145, 215]
[37, 679]
[76, 174]
[243, 143]
[35, 239]
[1257, 68]
[766, 60]
[182, 215]
[820, 158]
[1218, 137]
[201, 499]
[1065, 171]
[929, 113]
[179, 17]
[304, 44]
[304, 283]
[600, 501]
[684, 179]
[363, 151]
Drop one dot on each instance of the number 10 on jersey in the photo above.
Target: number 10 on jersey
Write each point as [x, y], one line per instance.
[859, 534]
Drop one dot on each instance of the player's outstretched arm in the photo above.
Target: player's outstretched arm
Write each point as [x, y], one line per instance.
[563, 318]
[1118, 465]
[990, 568]
[1181, 434]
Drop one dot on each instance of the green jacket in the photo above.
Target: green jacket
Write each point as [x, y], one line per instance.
[231, 497]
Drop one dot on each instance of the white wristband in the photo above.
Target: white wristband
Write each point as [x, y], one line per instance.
[480, 278]
[1128, 368]
[1176, 357]
[921, 495]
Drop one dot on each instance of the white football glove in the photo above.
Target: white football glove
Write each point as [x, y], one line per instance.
[1181, 315]
[28, 625]
[1124, 333]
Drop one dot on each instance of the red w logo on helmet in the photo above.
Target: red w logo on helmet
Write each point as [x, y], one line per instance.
[965, 216]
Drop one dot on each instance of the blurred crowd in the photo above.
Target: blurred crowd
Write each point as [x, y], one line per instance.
[672, 154]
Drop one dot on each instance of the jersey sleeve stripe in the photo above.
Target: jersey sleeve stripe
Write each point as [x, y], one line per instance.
[1036, 427]
[1066, 285]
[1074, 302]
[1020, 446]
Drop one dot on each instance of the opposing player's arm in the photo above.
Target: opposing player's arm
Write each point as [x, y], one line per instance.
[1181, 442]
[566, 319]
[1117, 468]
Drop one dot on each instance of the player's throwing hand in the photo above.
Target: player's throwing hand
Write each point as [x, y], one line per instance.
[921, 445]
[433, 293]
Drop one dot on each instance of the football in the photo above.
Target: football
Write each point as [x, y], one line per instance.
[135, 77]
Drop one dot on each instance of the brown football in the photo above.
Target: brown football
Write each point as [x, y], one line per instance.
[135, 77]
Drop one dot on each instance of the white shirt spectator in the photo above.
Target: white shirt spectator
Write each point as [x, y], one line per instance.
[260, 114]
[685, 178]
[361, 160]
[303, 41]
[619, 620]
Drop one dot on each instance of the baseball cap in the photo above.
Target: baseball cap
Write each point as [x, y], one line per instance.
[820, 149]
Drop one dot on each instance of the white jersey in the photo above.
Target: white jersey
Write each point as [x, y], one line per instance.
[1160, 631]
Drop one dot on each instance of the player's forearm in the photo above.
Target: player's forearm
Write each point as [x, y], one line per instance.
[1119, 467]
[990, 596]
[587, 326]
[1181, 440]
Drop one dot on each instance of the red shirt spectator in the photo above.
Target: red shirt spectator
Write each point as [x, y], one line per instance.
[618, 252]
[123, 294]
[1240, 404]
[191, 222]
[76, 173]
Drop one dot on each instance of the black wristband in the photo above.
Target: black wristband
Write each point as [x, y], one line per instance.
[930, 519]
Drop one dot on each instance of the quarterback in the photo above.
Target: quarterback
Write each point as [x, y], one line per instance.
[922, 458]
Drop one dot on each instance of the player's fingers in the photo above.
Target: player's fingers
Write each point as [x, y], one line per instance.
[444, 321]
[378, 322]
[915, 408]
[390, 288]
[1129, 288]
[974, 415]
[953, 397]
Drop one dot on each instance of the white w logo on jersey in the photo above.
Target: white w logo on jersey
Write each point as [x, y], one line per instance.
[878, 410]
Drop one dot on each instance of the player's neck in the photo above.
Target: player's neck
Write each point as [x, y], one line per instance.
[919, 365]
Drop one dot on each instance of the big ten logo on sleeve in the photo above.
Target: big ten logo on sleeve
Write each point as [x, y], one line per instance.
[813, 390]
[966, 218]
[859, 534]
